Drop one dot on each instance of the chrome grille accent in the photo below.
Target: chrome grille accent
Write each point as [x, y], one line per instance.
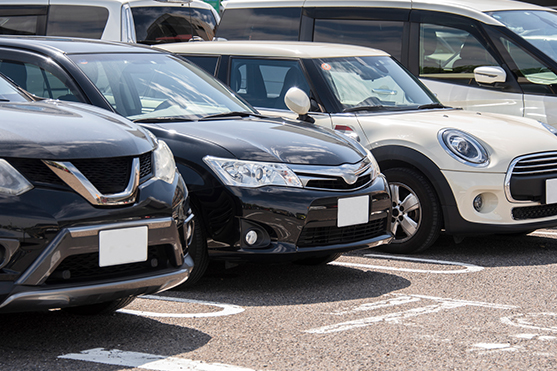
[530, 165]
[337, 178]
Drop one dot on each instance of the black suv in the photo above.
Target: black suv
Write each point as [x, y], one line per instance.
[92, 208]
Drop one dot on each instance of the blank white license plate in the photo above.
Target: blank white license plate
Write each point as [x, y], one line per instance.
[122, 246]
[352, 211]
[551, 191]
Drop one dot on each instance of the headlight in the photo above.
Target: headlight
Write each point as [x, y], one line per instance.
[549, 127]
[463, 147]
[252, 174]
[165, 167]
[12, 183]
[375, 165]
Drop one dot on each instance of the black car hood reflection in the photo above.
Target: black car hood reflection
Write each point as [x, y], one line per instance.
[23, 132]
[273, 141]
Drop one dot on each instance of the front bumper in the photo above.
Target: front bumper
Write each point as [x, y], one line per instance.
[293, 223]
[498, 214]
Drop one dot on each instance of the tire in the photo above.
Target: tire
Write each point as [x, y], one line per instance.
[318, 260]
[416, 218]
[100, 308]
[197, 250]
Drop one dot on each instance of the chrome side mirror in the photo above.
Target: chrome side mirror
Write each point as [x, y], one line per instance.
[489, 74]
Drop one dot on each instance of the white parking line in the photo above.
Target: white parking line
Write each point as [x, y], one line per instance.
[398, 317]
[528, 321]
[147, 361]
[227, 309]
[469, 268]
[540, 233]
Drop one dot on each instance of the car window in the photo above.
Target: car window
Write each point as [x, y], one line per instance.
[209, 64]
[260, 24]
[384, 35]
[264, 82]
[8, 93]
[76, 21]
[451, 54]
[38, 81]
[157, 25]
[533, 76]
[22, 20]
[140, 86]
[372, 82]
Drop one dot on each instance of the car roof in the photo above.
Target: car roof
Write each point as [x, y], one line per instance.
[136, 3]
[290, 49]
[471, 8]
[50, 44]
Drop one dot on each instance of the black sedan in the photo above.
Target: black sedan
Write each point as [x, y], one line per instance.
[92, 208]
[261, 189]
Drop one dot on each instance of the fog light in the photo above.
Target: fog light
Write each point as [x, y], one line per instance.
[251, 237]
[478, 203]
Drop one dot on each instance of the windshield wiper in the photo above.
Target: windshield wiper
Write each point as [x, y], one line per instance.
[229, 114]
[432, 105]
[154, 120]
[373, 108]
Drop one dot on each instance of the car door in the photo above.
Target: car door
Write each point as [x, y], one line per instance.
[449, 50]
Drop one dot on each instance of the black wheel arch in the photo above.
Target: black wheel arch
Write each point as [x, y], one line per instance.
[390, 157]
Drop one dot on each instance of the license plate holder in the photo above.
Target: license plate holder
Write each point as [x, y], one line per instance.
[353, 211]
[123, 246]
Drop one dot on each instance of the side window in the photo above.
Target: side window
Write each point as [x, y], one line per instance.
[533, 76]
[22, 20]
[451, 54]
[260, 24]
[384, 35]
[209, 64]
[264, 82]
[76, 21]
[37, 80]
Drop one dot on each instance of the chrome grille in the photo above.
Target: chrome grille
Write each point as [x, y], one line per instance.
[525, 179]
[544, 163]
[338, 178]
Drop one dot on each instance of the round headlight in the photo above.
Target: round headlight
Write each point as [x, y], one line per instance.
[464, 147]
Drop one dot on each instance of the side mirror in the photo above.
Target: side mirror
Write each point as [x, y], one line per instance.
[489, 74]
[298, 102]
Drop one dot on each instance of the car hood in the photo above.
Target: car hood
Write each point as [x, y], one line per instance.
[505, 137]
[254, 139]
[60, 130]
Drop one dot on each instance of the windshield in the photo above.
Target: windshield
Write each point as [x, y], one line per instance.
[373, 83]
[8, 93]
[537, 27]
[141, 86]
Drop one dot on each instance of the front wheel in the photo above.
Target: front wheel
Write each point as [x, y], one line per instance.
[416, 213]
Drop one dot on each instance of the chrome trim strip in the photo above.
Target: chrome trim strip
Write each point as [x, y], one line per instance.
[349, 172]
[78, 182]
[509, 174]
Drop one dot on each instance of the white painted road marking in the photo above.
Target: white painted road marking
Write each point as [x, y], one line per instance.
[528, 321]
[469, 268]
[539, 233]
[147, 361]
[398, 317]
[227, 309]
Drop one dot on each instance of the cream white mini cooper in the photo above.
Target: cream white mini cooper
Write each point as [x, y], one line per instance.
[449, 170]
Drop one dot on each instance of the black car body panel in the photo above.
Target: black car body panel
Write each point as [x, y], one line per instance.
[279, 213]
[50, 233]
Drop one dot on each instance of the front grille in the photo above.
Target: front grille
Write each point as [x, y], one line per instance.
[108, 175]
[85, 267]
[534, 212]
[545, 163]
[338, 183]
[323, 236]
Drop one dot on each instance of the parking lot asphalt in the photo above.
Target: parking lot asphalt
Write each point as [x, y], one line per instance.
[484, 303]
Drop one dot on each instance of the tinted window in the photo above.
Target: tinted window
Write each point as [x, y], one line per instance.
[384, 35]
[157, 25]
[8, 93]
[38, 80]
[22, 20]
[76, 21]
[264, 82]
[451, 54]
[209, 64]
[260, 24]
